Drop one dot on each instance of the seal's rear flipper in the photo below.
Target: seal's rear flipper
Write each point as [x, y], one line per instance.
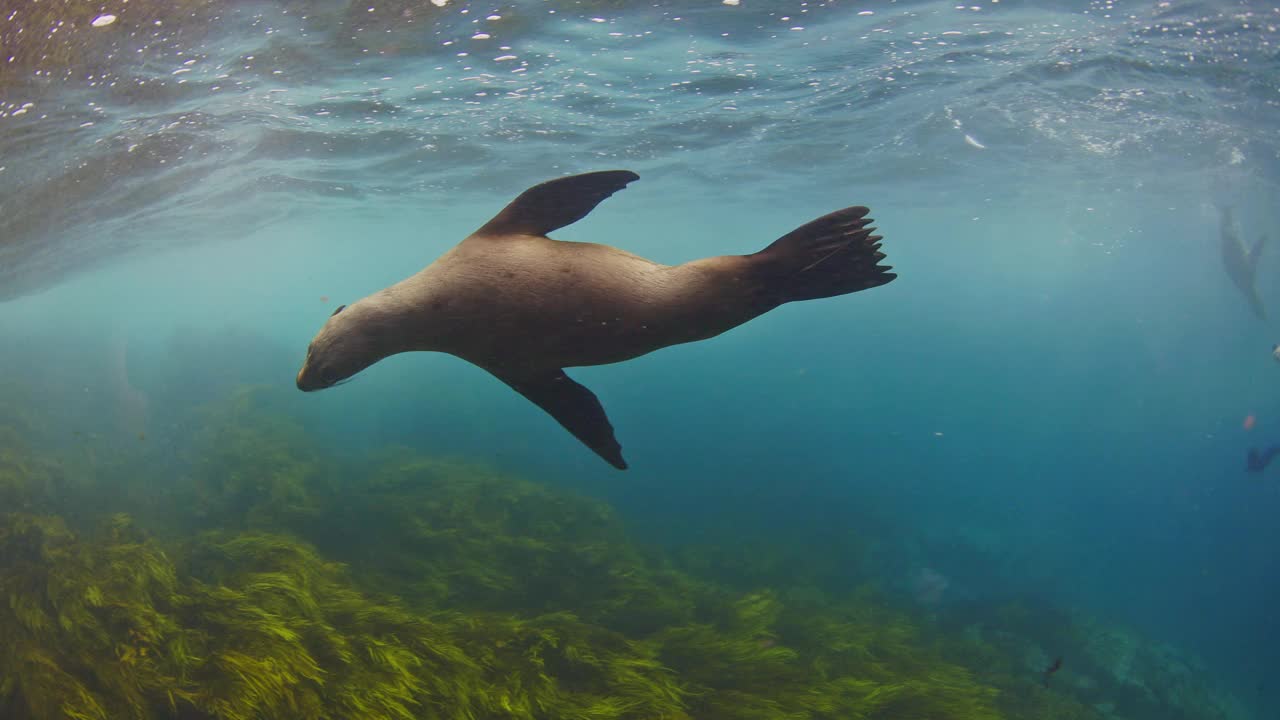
[574, 406]
[556, 203]
[833, 255]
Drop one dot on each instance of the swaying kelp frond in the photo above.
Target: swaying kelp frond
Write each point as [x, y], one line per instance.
[252, 469]
[556, 666]
[105, 629]
[765, 658]
[398, 587]
[285, 631]
[455, 535]
[84, 625]
[28, 483]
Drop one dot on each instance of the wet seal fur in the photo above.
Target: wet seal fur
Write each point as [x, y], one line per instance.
[522, 306]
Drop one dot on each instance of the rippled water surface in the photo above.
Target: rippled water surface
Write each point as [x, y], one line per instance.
[246, 111]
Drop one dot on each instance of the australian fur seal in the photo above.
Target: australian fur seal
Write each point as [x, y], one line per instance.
[524, 307]
[1240, 263]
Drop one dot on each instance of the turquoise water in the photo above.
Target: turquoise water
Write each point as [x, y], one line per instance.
[1050, 401]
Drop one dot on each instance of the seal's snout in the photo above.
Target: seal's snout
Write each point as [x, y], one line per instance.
[305, 383]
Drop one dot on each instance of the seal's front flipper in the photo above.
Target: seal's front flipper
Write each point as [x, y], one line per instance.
[574, 406]
[833, 255]
[556, 203]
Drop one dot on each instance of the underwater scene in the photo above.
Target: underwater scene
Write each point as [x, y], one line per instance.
[662, 360]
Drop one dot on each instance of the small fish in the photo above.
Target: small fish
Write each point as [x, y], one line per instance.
[1053, 668]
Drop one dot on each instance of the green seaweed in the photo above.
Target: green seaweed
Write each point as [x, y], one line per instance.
[471, 538]
[107, 629]
[251, 468]
[557, 666]
[441, 533]
[396, 586]
[259, 626]
[281, 633]
[85, 622]
[767, 658]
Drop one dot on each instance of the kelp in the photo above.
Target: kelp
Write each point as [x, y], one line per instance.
[395, 586]
[85, 625]
[104, 628]
[26, 482]
[767, 658]
[251, 468]
[29, 481]
[557, 666]
[441, 533]
[282, 633]
[470, 538]
[259, 626]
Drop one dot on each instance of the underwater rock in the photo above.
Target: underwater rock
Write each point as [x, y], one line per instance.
[1113, 651]
[928, 586]
[1107, 671]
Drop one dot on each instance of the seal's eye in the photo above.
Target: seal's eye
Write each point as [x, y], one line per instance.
[340, 308]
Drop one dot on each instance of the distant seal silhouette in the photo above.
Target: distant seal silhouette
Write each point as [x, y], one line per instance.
[1240, 263]
[524, 307]
[1258, 460]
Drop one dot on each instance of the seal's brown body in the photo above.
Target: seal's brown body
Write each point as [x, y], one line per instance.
[524, 306]
[568, 304]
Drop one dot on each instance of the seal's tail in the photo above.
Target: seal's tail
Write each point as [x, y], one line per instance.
[833, 255]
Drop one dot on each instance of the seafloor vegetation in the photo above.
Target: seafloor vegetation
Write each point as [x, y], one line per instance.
[246, 572]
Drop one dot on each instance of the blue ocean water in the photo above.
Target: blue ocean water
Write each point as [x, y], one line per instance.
[1054, 399]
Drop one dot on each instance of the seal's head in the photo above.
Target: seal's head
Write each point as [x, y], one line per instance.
[345, 345]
